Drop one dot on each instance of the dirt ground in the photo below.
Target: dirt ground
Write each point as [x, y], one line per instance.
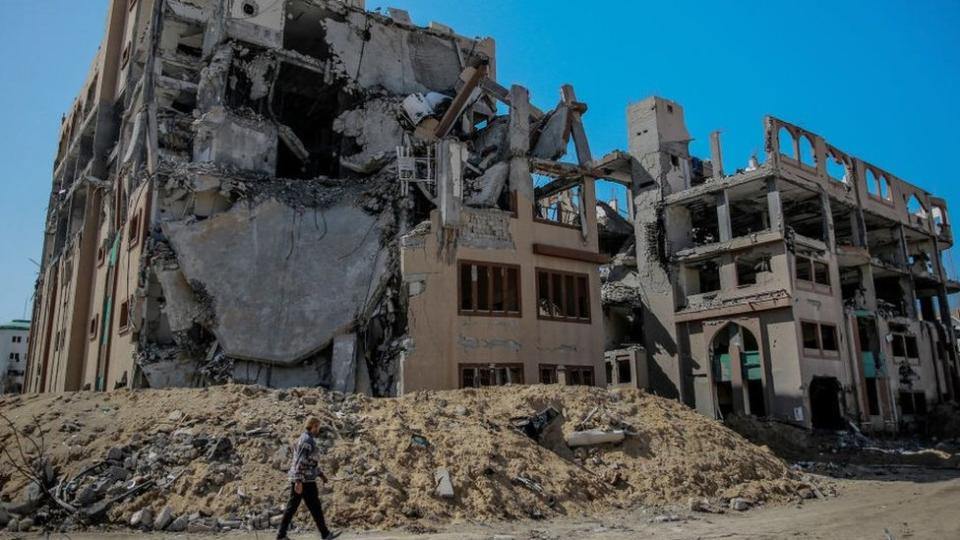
[883, 503]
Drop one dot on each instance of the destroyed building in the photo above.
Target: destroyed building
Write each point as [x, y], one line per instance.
[302, 192]
[808, 286]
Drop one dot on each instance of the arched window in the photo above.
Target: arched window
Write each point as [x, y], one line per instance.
[885, 192]
[786, 142]
[836, 167]
[915, 207]
[873, 186]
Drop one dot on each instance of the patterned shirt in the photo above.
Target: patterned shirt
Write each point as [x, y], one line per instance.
[306, 458]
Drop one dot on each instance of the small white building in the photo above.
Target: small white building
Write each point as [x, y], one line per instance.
[14, 337]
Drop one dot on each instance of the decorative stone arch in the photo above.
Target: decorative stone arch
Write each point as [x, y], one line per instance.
[915, 206]
[736, 367]
[877, 183]
[787, 142]
[837, 166]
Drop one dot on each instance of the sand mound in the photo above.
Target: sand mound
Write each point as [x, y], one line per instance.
[222, 452]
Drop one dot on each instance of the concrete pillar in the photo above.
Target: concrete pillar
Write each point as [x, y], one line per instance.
[774, 207]
[519, 139]
[740, 404]
[562, 375]
[829, 235]
[716, 155]
[723, 216]
[728, 272]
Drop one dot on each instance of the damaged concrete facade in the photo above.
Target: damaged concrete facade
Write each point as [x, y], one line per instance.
[300, 193]
[808, 287]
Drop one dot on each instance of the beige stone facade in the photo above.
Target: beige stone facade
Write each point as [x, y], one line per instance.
[809, 286]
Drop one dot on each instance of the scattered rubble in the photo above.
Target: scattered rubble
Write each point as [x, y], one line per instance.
[219, 462]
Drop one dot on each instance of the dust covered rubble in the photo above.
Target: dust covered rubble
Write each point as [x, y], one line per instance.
[215, 459]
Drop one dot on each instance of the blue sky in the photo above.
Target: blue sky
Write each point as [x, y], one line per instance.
[878, 79]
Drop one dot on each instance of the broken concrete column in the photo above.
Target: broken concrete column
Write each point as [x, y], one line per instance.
[518, 137]
[774, 206]
[723, 216]
[451, 155]
[716, 155]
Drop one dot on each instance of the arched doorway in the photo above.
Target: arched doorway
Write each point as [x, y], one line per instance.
[825, 403]
[736, 347]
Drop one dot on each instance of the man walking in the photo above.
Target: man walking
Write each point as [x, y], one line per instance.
[303, 475]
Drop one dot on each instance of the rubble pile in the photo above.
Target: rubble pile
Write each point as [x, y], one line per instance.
[214, 459]
[829, 451]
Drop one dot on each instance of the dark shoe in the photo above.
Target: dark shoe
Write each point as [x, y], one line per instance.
[332, 535]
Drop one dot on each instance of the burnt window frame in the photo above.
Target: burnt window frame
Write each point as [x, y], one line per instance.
[581, 283]
[489, 267]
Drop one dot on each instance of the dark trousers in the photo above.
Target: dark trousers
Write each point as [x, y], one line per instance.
[311, 497]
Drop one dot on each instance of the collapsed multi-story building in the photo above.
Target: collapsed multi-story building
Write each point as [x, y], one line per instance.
[807, 287]
[301, 192]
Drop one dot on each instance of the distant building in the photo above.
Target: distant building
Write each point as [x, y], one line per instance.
[14, 337]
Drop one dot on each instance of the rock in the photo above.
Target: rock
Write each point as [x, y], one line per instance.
[117, 474]
[699, 505]
[5, 517]
[175, 416]
[281, 458]
[739, 504]
[179, 524]
[25, 525]
[13, 525]
[232, 524]
[86, 496]
[282, 395]
[221, 450]
[115, 454]
[201, 526]
[806, 493]
[460, 410]
[142, 518]
[29, 502]
[275, 520]
[164, 518]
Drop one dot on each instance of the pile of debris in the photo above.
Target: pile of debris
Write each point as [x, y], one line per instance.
[214, 459]
[828, 452]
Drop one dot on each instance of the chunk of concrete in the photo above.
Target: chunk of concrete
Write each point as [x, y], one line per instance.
[179, 524]
[444, 487]
[555, 135]
[593, 437]
[142, 518]
[491, 185]
[163, 519]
